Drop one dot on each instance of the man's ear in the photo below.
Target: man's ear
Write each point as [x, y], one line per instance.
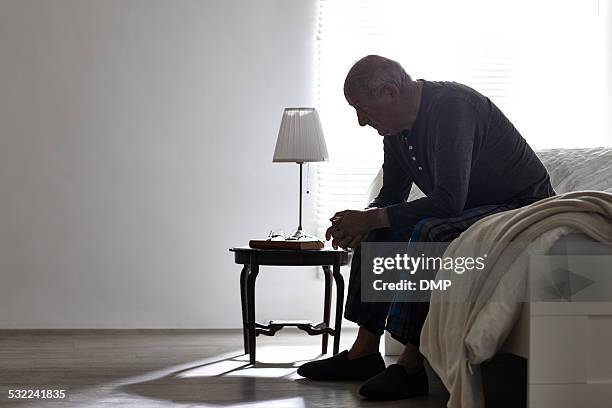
[392, 91]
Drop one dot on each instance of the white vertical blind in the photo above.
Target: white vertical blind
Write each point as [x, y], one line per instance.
[543, 62]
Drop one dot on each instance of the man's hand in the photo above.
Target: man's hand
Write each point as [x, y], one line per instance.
[350, 227]
[340, 239]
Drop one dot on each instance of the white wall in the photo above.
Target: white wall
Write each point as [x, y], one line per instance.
[607, 8]
[136, 139]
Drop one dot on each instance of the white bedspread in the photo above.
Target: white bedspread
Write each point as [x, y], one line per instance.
[452, 338]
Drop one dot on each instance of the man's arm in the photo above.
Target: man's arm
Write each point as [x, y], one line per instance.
[395, 190]
[456, 127]
[396, 182]
[350, 227]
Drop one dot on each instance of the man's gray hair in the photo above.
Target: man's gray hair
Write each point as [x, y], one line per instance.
[372, 72]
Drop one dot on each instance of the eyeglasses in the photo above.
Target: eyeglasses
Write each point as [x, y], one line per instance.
[277, 235]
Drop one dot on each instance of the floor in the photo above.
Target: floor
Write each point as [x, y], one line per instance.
[148, 368]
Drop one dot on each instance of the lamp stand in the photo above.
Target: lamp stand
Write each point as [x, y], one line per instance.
[300, 234]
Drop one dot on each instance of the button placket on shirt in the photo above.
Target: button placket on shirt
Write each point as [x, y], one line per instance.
[411, 148]
[420, 168]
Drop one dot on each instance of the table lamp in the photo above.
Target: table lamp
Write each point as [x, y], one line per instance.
[300, 140]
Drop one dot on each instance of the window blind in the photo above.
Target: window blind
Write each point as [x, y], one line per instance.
[541, 61]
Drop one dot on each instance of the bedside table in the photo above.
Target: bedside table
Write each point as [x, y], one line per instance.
[329, 259]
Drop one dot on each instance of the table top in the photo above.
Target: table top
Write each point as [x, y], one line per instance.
[284, 251]
[289, 257]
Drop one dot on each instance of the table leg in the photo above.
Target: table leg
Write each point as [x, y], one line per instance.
[326, 305]
[244, 303]
[251, 309]
[339, 306]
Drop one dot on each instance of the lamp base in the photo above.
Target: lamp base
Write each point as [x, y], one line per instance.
[301, 235]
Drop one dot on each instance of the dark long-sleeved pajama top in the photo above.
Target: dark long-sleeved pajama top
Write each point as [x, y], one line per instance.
[462, 152]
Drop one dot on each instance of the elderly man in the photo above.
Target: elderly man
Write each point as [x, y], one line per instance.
[469, 160]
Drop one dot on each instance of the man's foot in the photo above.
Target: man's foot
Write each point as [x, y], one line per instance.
[340, 368]
[396, 383]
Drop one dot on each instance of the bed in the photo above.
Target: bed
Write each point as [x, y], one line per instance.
[562, 345]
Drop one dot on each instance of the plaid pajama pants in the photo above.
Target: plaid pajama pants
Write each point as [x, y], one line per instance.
[404, 320]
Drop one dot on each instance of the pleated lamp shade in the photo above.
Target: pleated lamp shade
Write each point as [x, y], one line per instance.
[300, 138]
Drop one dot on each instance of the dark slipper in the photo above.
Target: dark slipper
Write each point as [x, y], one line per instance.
[395, 383]
[340, 368]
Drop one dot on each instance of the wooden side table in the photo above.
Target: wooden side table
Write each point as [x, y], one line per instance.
[252, 259]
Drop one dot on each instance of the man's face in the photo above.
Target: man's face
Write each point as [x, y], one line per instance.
[378, 112]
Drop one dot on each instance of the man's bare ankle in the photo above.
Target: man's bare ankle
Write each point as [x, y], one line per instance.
[411, 363]
[365, 344]
[411, 358]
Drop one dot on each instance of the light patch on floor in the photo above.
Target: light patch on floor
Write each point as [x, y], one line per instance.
[176, 369]
[215, 369]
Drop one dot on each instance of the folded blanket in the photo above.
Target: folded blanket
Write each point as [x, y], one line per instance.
[443, 339]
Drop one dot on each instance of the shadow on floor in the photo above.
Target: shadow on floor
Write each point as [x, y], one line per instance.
[232, 380]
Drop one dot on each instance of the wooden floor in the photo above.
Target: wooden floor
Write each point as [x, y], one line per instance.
[175, 368]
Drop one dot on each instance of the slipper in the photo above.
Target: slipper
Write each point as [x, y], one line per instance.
[340, 368]
[396, 383]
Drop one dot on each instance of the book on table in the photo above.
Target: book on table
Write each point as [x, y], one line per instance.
[296, 244]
